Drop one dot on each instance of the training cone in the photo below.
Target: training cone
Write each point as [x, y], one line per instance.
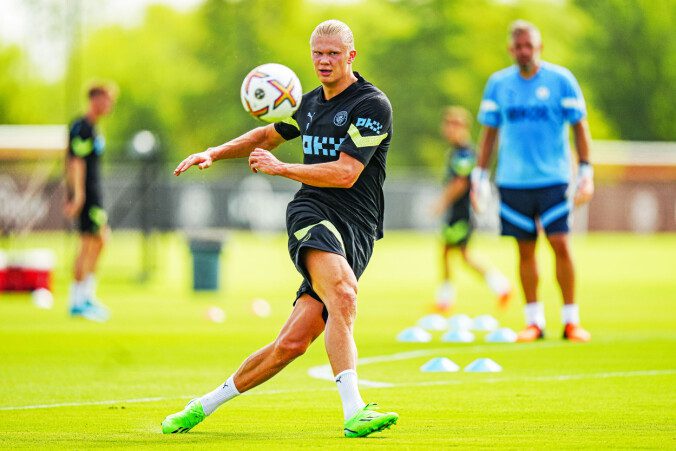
[485, 323]
[414, 335]
[458, 336]
[460, 322]
[433, 322]
[439, 365]
[502, 335]
[483, 366]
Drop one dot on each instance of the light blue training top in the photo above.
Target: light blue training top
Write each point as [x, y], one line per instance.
[532, 117]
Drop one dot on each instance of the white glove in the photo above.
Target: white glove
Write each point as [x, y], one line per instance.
[585, 184]
[480, 193]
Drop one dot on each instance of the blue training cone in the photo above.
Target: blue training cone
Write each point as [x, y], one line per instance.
[414, 335]
[458, 336]
[433, 322]
[460, 322]
[485, 323]
[502, 335]
[440, 365]
[483, 366]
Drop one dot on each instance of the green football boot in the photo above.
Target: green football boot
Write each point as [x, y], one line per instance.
[181, 422]
[367, 421]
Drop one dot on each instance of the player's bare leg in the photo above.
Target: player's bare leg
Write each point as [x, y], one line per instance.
[83, 302]
[302, 327]
[335, 283]
[496, 281]
[565, 271]
[528, 272]
[446, 291]
[565, 275]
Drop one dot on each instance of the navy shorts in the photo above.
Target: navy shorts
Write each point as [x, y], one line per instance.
[312, 225]
[521, 208]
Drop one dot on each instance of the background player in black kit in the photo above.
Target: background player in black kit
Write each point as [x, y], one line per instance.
[332, 222]
[85, 147]
[454, 203]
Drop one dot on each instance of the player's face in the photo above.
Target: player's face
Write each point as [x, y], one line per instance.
[455, 130]
[102, 104]
[525, 50]
[332, 59]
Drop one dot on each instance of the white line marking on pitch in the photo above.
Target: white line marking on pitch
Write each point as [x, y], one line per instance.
[494, 380]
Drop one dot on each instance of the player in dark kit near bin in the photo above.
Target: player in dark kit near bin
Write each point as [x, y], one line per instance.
[345, 126]
[83, 181]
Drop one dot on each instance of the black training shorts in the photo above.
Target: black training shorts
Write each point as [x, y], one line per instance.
[93, 219]
[311, 224]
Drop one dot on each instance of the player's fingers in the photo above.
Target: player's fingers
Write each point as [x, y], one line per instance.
[183, 166]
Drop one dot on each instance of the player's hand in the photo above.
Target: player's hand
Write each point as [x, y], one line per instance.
[480, 189]
[585, 184]
[261, 160]
[71, 209]
[203, 160]
[437, 208]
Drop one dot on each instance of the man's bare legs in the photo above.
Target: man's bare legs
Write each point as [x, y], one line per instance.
[565, 270]
[336, 285]
[528, 269]
[301, 329]
[83, 299]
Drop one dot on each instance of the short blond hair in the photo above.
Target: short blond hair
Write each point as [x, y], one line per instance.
[522, 26]
[334, 27]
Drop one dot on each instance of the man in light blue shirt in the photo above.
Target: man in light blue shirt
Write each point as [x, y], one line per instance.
[527, 108]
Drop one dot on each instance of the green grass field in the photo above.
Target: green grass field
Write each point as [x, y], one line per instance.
[73, 384]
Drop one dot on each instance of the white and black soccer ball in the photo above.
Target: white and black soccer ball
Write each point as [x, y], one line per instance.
[271, 92]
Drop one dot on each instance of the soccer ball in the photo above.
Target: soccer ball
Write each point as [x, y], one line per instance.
[271, 92]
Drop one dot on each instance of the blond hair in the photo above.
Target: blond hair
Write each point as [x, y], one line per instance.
[522, 26]
[334, 27]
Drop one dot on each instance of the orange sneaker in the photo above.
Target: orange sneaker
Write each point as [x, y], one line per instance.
[530, 333]
[575, 332]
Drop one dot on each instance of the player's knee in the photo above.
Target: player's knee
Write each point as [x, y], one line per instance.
[345, 301]
[560, 247]
[288, 348]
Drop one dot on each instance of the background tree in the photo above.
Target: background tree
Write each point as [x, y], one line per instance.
[628, 58]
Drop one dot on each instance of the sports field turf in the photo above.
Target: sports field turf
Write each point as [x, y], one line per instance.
[74, 384]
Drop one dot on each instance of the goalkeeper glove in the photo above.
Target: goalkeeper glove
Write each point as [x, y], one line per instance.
[480, 189]
[585, 183]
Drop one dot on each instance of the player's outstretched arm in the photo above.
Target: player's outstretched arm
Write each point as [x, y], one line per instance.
[342, 173]
[264, 137]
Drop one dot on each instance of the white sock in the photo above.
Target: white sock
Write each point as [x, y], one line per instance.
[89, 284]
[535, 314]
[446, 293]
[570, 314]
[349, 392]
[77, 297]
[497, 282]
[213, 400]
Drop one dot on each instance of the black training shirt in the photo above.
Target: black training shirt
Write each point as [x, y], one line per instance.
[84, 142]
[358, 121]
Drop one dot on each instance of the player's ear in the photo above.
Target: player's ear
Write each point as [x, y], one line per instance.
[352, 56]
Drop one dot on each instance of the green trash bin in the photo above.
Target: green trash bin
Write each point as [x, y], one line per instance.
[206, 255]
